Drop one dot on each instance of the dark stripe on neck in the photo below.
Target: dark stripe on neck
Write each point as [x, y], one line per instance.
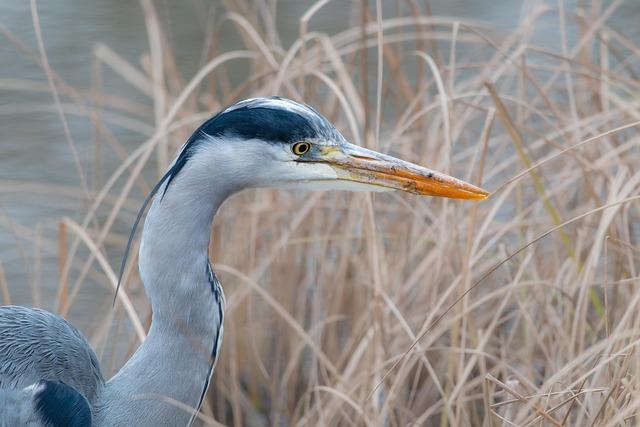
[217, 294]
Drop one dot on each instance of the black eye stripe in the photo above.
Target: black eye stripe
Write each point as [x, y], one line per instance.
[268, 119]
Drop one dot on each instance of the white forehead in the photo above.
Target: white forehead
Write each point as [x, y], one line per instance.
[276, 103]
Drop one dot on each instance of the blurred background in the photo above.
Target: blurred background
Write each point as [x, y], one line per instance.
[482, 90]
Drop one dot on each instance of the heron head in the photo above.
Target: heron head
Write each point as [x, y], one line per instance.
[276, 142]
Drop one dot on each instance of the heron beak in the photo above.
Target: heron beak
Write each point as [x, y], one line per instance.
[354, 163]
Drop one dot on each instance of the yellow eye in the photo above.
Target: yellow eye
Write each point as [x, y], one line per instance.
[300, 148]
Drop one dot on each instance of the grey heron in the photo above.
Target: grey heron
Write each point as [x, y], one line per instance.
[259, 142]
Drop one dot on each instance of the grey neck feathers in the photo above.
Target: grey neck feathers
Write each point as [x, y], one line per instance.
[173, 366]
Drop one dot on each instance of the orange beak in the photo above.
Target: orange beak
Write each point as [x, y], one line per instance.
[357, 164]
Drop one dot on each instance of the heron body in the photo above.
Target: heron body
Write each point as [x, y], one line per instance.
[44, 404]
[261, 142]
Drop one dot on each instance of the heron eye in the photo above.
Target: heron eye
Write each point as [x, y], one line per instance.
[300, 148]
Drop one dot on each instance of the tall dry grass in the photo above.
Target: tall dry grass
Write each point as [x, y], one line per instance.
[354, 309]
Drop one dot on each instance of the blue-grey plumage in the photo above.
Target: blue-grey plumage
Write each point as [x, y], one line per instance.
[44, 404]
[262, 142]
[37, 345]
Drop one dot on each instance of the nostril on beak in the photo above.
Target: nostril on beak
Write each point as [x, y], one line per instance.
[359, 157]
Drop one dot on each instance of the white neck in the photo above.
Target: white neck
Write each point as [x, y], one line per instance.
[176, 360]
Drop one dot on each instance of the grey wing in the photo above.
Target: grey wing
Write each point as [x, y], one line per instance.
[45, 404]
[36, 345]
